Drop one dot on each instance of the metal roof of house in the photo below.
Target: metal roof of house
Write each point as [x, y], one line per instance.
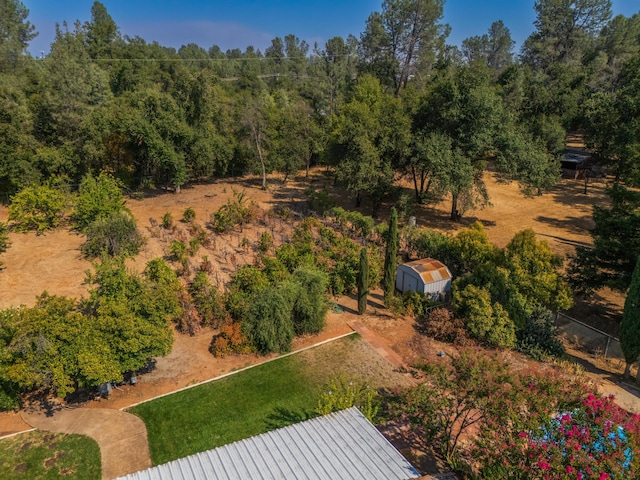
[343, 445]
[430, 270]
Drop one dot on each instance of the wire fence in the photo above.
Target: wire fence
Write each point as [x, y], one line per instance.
[589, 339]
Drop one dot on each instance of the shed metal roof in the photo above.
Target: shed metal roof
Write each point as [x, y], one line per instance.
[430, 270]
[342, 445]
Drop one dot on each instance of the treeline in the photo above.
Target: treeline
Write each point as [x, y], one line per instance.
[397, 99]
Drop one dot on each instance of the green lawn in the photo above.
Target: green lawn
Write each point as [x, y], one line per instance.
[262, 398]
[45, 455]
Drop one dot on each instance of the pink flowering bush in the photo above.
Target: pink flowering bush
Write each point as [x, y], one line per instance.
[597, 440]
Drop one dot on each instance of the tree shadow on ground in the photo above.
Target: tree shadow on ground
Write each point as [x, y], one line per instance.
[614, 378]
[414, 447]
[282, 417]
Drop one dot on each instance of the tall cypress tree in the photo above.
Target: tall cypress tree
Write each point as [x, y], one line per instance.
[630, 325]
[390, 257]
[363, 281]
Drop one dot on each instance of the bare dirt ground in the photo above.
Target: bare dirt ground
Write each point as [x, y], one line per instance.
[53, 262]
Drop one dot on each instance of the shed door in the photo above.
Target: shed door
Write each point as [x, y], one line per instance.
[410, 283]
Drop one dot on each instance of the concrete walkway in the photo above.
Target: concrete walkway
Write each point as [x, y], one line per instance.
[122, 437]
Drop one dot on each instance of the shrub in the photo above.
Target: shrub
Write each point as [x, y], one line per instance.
[194, 246]
[189, 215]
[228, 341]
[113, 235]
[310, 305]
[595, 439]
[37, 208]
[205, 265]
[208, 301]
[233, 213]
[249, 279]
[265, 244]
[539, 337]
[237, 303]
[340, 393]
[319, 201]
[442, 325]
[417, 303]
[178, 250]
[484, 320]
[268, 325]
[97, 198]
[167, 221]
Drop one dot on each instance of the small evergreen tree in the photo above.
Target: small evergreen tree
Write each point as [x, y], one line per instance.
[630, 325]
[363, 281]
[390, 257]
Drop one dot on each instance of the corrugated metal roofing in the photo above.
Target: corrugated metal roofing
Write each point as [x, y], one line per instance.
[430, 270]
[342, 445]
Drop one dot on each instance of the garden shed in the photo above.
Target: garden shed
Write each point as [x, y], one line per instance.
[427, 275]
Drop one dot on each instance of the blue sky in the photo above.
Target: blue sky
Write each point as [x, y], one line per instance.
[239, 23]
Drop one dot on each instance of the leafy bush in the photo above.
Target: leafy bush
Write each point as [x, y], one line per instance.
[233, 213]
[113, 235]
[485, 321]
[417, 303]
[442, 325]
[475, 391]
[539, 337]
[189, 215]
[60, 344]
[194, 246]
[268, 325]
[249, 279]
[237, 303]
[341, 393]
[37, 208]
[265, 244]
[595, 439]
[178, 250]
[310, 305]
[319, 201]
[167, 221]
[97, 198]
[208, 301]
[229, 341]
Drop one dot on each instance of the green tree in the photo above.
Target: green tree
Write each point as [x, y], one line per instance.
[465, 108]
[269, 324]
[207, 300]
[363, 281]
[15, 33]
[613, 139]
[616, 245]
[564, 30]
[310, 305]
[485, 320]
[98, 197]
[401, 40]
[494, 49]
[37, 208]
[391, 257]
[630, 324]
[114, 234]
[102, 32]
[367, 139]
